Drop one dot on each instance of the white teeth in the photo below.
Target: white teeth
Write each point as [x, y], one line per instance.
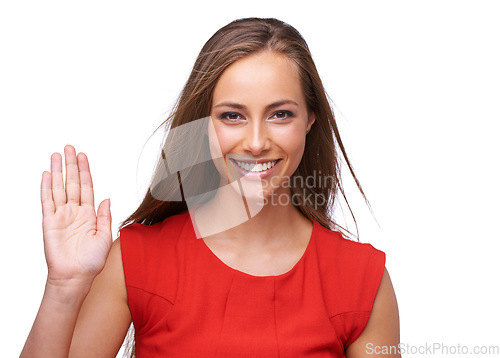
[251, 167]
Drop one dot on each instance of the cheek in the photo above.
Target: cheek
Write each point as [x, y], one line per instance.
[293, 144]
[292, 140]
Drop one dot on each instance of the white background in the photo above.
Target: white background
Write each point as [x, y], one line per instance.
[416, 88]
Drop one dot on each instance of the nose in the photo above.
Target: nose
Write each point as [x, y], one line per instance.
[257, 139]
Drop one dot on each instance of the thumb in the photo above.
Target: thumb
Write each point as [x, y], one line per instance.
[104, 217]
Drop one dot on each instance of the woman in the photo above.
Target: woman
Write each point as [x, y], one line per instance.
[230, 253]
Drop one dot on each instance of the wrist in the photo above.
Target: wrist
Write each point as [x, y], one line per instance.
[67, 292]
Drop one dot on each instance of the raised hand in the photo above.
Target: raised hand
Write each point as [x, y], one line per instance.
[76, 240]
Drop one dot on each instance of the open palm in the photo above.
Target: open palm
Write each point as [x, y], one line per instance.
[76, 240]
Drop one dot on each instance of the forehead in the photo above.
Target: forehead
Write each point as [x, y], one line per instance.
[260, 78]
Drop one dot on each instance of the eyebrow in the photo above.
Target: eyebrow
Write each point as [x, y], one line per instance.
[269, 106]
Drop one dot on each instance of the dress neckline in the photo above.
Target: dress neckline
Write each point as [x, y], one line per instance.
[218, 261]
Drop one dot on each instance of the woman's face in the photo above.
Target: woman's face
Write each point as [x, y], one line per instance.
[260, 120]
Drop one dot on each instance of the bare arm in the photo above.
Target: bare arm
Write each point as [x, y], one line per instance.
[85, 295]
[104, 317]
[380, 337]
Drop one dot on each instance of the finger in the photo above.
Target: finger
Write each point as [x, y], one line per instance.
[103, 224]
[46, 194]
[87, 188]
[58, 192]
[72, 175]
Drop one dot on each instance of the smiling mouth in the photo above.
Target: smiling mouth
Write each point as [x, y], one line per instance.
[255, 167]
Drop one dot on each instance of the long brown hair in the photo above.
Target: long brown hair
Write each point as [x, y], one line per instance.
[324, 150]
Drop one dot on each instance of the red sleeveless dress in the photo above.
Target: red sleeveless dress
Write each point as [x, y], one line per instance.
[185, 302]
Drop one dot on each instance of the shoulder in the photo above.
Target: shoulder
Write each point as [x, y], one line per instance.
[351, 274]
[351, 257]
[171, 224]
[141, 243]
[150, 253]
[137, 237]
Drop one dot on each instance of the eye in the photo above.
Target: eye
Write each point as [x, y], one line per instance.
[231, 117]
[282, 115]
